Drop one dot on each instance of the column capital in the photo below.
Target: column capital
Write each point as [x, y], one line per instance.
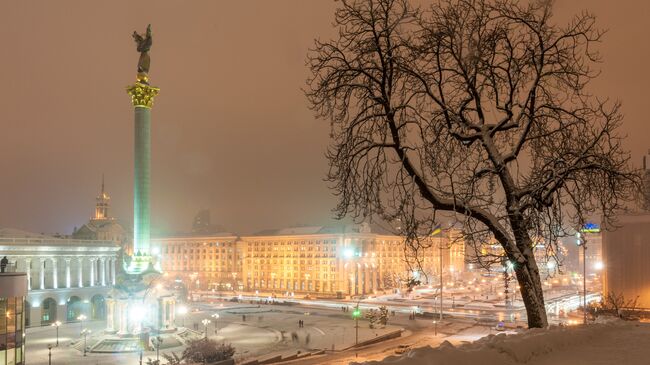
[142, 95]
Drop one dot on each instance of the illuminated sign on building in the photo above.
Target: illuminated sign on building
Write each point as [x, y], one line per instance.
[590, 228]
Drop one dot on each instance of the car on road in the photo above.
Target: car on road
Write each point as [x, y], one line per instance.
[402, 349]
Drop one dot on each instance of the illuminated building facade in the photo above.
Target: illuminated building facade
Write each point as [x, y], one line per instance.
[327, 260]
[65, 277]
[202, 262]
[320, 260]
[13, 290]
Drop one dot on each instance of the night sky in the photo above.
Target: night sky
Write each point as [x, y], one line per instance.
[231, 127]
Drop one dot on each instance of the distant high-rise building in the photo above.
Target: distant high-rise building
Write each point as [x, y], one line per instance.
[202, 225]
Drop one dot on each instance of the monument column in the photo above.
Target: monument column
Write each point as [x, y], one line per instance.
[142, 96]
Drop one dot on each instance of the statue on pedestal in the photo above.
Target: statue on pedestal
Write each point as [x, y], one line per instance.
[144, 45]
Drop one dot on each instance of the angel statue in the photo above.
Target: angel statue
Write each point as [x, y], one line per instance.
[144, 45]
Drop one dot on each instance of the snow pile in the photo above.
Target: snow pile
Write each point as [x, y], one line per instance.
[613, 343]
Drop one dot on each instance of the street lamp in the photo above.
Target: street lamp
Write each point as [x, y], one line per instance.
[157, 341]
[85, 332]
[356, 314]
[81, 319]
[582, 241]
[49, 354]
[57, 324]
[216, 318]
[206, 322]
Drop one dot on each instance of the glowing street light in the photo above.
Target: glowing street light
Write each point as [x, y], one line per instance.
[206, 322]
[216, 327]
[57, 324]
[81, 319]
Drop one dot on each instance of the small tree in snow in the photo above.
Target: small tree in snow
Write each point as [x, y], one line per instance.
[476, 108]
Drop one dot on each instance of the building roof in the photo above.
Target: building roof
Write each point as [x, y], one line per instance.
[314, 230]
[17, 233]
[194, 235]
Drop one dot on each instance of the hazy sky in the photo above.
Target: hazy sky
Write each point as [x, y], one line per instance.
[231, 128]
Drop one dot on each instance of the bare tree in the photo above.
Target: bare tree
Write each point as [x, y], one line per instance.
[477, 108]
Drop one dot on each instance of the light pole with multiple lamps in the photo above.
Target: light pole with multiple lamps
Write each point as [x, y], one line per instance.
[57, 324]
[206, 322]
[216, 319]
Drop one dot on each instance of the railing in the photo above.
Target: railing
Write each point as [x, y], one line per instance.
[7, 267]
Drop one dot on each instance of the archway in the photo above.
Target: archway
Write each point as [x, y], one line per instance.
[48, 311]
[98, 307]
[73, 308]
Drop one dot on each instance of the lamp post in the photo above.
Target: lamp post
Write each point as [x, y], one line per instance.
[57, 324]
[582, 241]
[356, 314]
[157, 341]
[216, 318]
[206, 322]
[81, 319]
[49, 354]
[85, 333]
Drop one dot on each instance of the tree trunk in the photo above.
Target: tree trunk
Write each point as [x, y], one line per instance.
[531, 291]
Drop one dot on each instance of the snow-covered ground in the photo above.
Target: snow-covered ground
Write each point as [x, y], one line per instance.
[617, 342]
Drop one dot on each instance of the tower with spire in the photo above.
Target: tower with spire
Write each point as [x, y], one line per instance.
[102, 205]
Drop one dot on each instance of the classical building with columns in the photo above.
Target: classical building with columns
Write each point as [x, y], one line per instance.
[65, 277]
